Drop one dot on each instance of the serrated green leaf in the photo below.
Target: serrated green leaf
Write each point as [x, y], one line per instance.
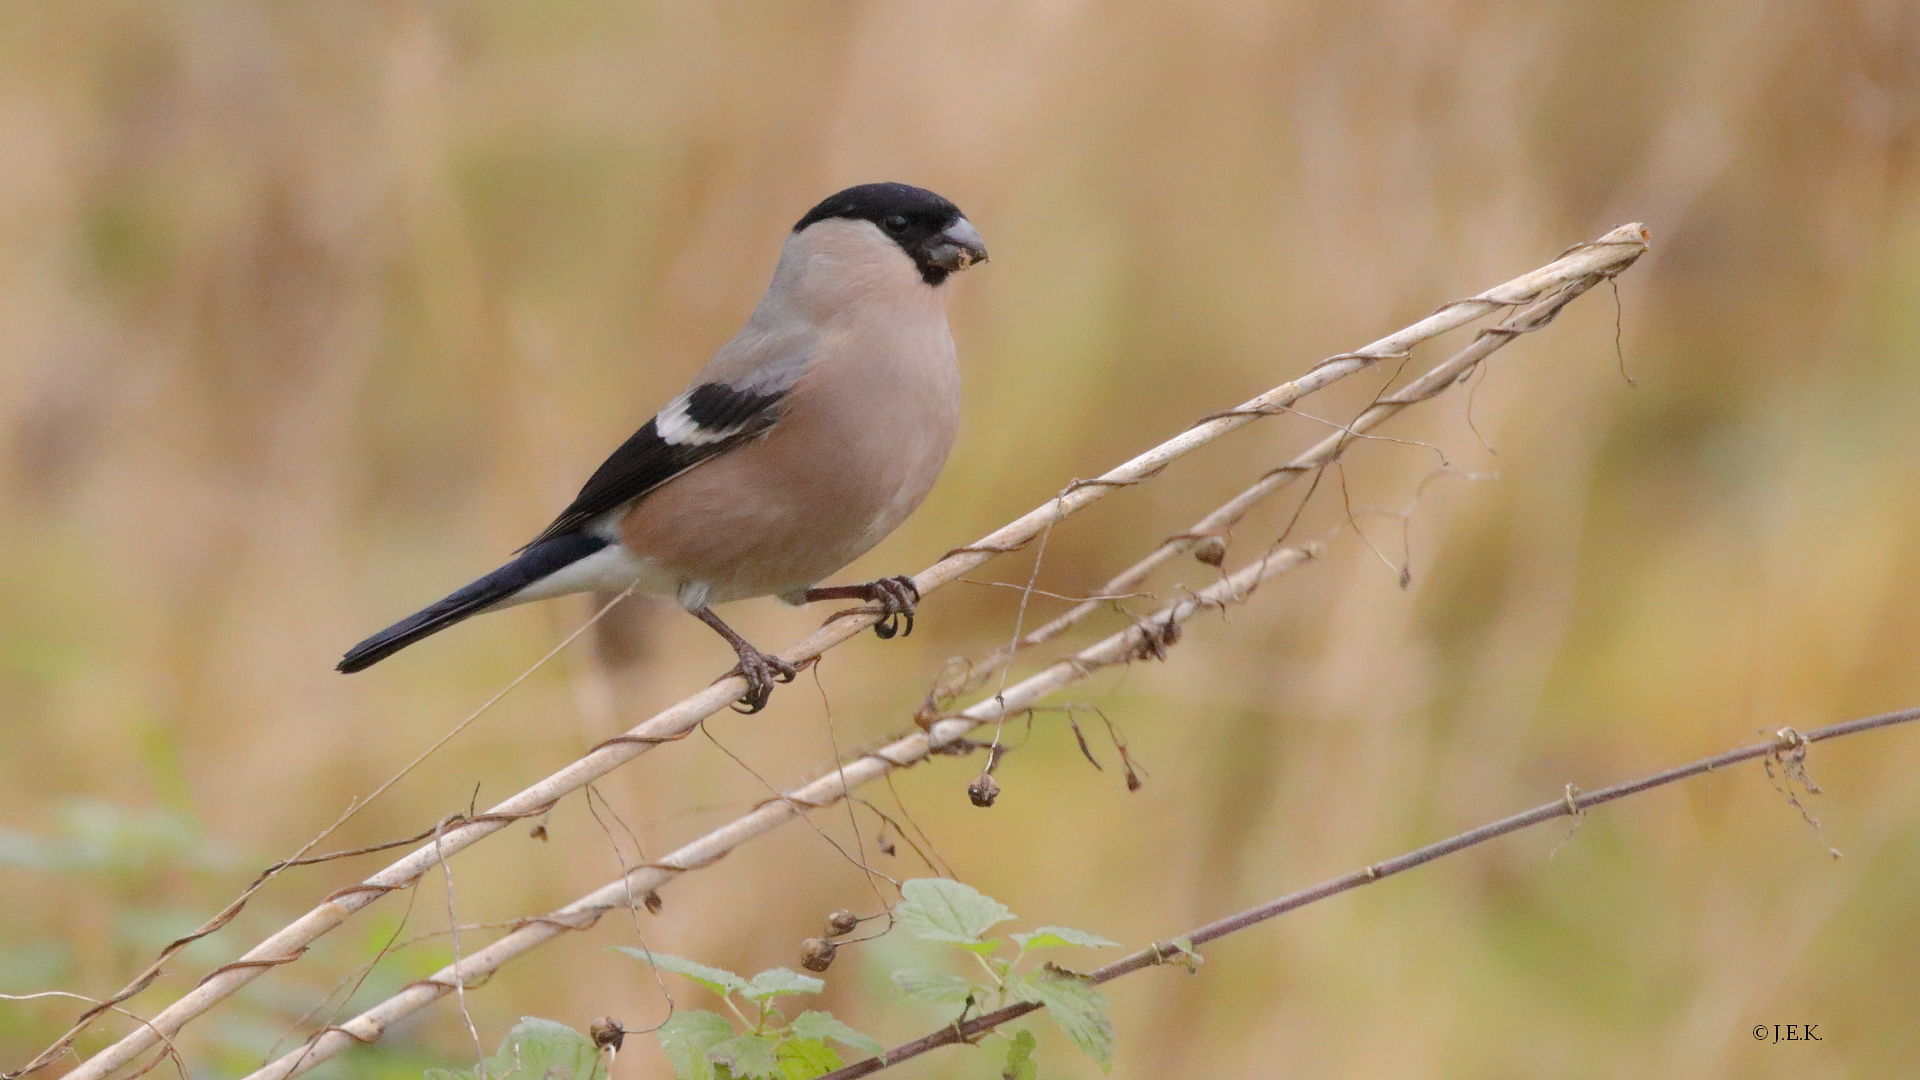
[931, 987]
[687, 1036]
[780, 981]
[804, 1059]
[1020, 1063]
[1050, 937]
[1078, 1008]
[535, 1049]
[544, 1050]
[747, 1056]
[821, 1025]
[937, 909]
[718, 980]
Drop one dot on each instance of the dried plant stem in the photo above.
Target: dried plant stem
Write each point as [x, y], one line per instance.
[1217, 523]
[1149, 637]
[1788, 744]
[1588, 262]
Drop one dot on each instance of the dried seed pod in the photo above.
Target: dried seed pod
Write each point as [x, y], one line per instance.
[1126, 759]
[653, 902]
[816, 954]
[608, 1033]
[841, 923]
[983, 790]
[1212, 551]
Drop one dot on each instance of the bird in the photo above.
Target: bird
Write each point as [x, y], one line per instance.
[806, 440]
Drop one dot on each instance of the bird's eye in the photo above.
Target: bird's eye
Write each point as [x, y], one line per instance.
[895, 224]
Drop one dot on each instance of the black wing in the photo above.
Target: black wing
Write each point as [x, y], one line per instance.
[706, 422]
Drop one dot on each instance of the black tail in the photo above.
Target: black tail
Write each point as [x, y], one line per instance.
[534, 563]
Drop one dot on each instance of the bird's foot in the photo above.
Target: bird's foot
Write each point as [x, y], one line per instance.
[761, 670]
[896, 596]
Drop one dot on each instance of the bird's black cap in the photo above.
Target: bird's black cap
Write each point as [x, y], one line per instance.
[912, 217]
[922, 209]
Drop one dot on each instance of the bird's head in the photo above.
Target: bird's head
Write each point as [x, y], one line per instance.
[932, 231]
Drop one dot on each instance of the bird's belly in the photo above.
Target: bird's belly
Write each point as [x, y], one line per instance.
[780, 514]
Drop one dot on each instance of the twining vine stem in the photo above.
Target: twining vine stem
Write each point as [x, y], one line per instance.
[1151, 636]
[1788, 747]
[1583, 264]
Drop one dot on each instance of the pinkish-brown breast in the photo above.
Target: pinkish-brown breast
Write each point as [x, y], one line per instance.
[859, 444]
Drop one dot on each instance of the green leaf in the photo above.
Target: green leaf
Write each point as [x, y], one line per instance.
[804, 1059]
[931, 987]
[1079, 1009]
[820, 1025]
[780, 980]
[1194, 959]
[718, 980]
[746, 1056]
[1020, 1063]
[535, 1049]
[1050, 937]
[687, 1036]
[937, 909]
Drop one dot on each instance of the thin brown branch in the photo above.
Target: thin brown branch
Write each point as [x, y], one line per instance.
[1786, 745]
[170, 1053]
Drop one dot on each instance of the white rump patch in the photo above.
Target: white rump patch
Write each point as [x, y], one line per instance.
[611, 569]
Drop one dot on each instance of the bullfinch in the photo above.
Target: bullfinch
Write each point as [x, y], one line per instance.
[808, 438]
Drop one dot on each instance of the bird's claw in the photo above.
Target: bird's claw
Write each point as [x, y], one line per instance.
[897, 597]
[761, 670]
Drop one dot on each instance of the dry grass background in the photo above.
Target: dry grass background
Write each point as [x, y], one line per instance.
[310, 312]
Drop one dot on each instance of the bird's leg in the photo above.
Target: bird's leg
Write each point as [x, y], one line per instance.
[761, 670]
[896, 596]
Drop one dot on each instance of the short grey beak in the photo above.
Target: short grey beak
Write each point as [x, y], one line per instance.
[958, 247]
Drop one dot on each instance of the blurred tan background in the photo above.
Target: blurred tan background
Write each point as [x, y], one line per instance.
[312, 312]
